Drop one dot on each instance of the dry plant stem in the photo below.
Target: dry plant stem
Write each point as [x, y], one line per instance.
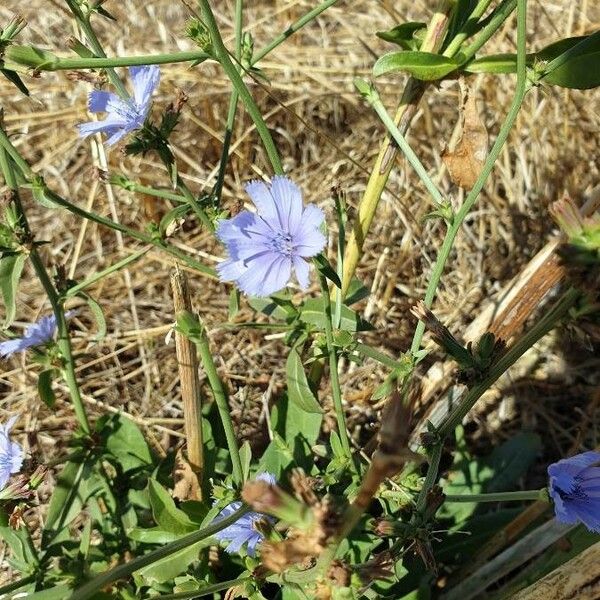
[405, 112]
[63, 339]
[216, 385]
[191, 396]
[125, 570]
[222, 56]
[80, 212]
[333, 371]
[459, 217]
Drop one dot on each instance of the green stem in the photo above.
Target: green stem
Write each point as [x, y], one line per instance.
[205, 591]
[333, 368]
[216, 385]
[539, 330]
[380, 357]
[498, 17]
[125, 570]
[90, 34]
[63, 339]
[431, 476]
[464, 33]
[473, 195]
[222, 56]
[373, 98]
[132, 186]
[74, 290]
[497, 496]
[15, 585]
[96, 218]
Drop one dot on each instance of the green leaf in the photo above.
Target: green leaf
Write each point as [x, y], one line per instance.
[126, 443]
[313, 312]
[67, 499]
[166, 514]
[357, 291]
[15, 80]
[325, 268]
[44, 386]
[98, 314]
[234, 303]
[581, 70]
[11, 267]
[59, 592]
[278, 308]
[405, 35]
[23, 555]
[425, 66]
[153, 535]
[298, 389]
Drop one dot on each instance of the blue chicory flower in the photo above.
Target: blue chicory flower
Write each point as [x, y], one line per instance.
[243, 530]
[123, 114]
[264, 246]
[35, 335]
[575, 489]
[11, 453]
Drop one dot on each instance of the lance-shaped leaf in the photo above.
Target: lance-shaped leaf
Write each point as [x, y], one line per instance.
[425, 66]
[298, 389]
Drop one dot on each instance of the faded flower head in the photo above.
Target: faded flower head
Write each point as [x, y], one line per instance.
[264, 246]
[11, 453]
[575, 489]
[244, 530]
[123, 114]
[35, 335]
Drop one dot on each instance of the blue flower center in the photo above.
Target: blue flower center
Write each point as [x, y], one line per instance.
[282, 243]
[575, 493]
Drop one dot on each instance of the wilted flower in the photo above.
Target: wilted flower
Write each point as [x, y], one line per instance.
[35, 335]
[244, 530]
[575, 489]
[11, 453]
[264, 246]
[123, 114]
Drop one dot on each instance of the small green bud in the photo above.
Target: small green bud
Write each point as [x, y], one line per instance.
[197, 31]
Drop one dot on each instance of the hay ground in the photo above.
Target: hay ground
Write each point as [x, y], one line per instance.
[326, 136]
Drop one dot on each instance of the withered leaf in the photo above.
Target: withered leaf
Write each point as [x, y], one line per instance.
[465, 162]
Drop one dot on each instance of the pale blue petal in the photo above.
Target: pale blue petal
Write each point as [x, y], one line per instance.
[264, 202]
[230, 229]
[310, 244]
[266, 476]
[107, 126]
[9, 347]
[98, 100]
[270, 277]
[16, 459]
[145, 79]
[288, 199]
[118, 135]
[302, 270]
[230, 270]
[312, 218]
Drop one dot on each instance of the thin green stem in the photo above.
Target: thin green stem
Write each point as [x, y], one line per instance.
[520, 92]
[493, 24]
[431, 475]
[293, 28]
[74, 290]
[380, 357]
[464, 33]
[63, 339]
[125, 570]
[205, 591]
[38, 184]
[83, 21]
[373, 98]
[497, 496]
[231, 71]
[216, 385]
[539, 330]
[132, 186]
[333, 371]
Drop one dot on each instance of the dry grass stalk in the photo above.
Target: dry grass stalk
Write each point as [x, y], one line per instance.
[189, 382]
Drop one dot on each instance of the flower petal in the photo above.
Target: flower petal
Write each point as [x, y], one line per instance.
[107, 126]
[302, 269]
[266, 275]
[98, 100]
[230, 270]
[118, 135]
[310, 244]
[9, 347]
[288, 198]
[145, 79]
[263, 200]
